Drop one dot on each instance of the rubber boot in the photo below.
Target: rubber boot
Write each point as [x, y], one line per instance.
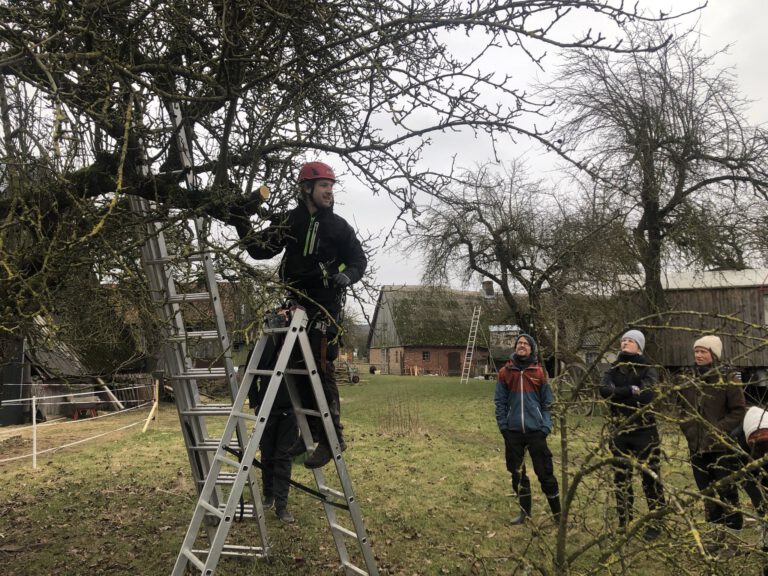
[525, 509]
[554, 505]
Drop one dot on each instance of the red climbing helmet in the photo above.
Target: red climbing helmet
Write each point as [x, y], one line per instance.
[315, 171]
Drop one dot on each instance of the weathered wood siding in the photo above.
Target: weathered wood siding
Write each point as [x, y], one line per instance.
[737, 315]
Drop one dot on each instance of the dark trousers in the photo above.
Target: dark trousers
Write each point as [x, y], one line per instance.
[325, 352]
[515, 446]
[708, 468]
[279, 435]
[639, 446]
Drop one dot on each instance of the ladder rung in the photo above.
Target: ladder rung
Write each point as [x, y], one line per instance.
[212, 509]
[208, 411]
[172, 259]
[195, 373]
[195, 334]
[229, 461]
[345, 531]
[234, 550]
[349, 567]
[194, 559]
[330, 491]
[299, 371]
[245, 416]
[275, 330]
[190, 297]
[307, 411]
[210, 445]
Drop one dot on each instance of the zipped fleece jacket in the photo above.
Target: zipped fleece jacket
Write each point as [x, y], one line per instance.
[317, 246]
[523, 399]
[711, 404]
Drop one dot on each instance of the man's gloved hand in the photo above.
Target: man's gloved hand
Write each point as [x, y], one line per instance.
[341, 280]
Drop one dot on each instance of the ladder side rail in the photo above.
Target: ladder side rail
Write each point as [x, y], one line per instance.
[185, 154]
[186, 393]
[312, 379]
[333, 440]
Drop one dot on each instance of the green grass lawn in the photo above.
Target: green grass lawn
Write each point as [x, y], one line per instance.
[426, 462]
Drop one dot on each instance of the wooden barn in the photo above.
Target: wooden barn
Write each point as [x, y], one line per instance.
[732, 304]
[424, 330]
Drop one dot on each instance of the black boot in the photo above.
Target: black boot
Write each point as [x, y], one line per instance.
[554, 505]
[320, 456]
[525, 509]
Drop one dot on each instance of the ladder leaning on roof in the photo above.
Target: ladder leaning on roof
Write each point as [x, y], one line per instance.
[169, 276]
[471, 340]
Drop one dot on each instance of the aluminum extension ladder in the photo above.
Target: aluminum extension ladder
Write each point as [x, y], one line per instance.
[292, 371]
[172, 300]
[469, 352]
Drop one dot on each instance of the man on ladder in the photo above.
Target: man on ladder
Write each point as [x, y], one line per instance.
[322, 257]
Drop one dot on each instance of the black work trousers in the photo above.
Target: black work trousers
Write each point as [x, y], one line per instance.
[324, 351]
[279, 435]
[708, 468]
[642, 446]
[535, 443]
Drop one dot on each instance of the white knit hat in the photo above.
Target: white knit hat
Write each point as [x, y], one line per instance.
[637, 336]
[711, 343]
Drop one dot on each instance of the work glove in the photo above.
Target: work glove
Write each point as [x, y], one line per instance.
[341, 280]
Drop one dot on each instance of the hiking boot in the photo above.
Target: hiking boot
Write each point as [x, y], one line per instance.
[268, 502]
[319, 457]
[525, 501]
[284, 516]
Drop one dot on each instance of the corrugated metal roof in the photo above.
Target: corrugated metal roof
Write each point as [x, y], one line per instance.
[693, 280]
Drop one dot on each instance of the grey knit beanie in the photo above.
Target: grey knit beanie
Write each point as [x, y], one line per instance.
[637, 336]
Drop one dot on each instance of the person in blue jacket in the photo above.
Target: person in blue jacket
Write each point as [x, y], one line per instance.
[523, 400]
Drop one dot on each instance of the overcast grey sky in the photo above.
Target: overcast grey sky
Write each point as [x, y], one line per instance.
[723, 22]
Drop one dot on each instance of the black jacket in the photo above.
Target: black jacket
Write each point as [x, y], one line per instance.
[630, 411]
[316, 247]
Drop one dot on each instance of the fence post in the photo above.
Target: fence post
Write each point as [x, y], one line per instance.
[158, 377]
[34, 432]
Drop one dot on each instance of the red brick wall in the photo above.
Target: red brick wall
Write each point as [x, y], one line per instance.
[411, 361]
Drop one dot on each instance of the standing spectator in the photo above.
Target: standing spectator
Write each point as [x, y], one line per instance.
[752, 437]
[322, 257]
[523, 400]
[629, 385]
[712, 404]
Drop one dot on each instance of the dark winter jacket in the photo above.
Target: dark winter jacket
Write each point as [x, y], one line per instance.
[523, 398]
[317, 246]
[630, 386]
[711, 402]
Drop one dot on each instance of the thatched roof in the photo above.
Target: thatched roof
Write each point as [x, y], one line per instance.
[432, 316]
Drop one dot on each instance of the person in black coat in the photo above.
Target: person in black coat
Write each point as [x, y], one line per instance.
[629, 385]
[322, 256]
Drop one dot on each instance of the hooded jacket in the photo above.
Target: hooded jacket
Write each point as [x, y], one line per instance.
[711, 402]
[523, 396]
[317, 246]
[630, 373]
